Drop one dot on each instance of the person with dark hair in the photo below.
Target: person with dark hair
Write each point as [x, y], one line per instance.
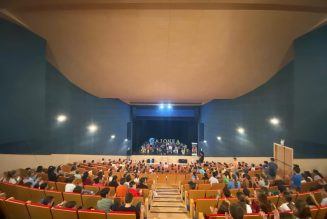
[132, 189]
[85, 179]
[142, 184]
[227, 192]
[105, 203]
[52, 176]
[43, 185]
[243, 202]
[289, 204]
[264, 204]
[272, 169]
[296, 179]
[236, 211]
[201, 157]
[318, 177]
[116, 205]
[128, 179]
[78, 189]
[192, 185]
[247, 192]
[302, 210]
[113, 182]
[70, 186]
[70, 204]
[213, 179]
[234, 183]
[48, 200]
[121, 190]
[129, 207]
[223, 208]
[39, 169]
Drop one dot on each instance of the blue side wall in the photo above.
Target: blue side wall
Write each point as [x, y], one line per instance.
[33, 93]
[297, 95]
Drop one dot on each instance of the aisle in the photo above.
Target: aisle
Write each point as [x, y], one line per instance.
[167, 204]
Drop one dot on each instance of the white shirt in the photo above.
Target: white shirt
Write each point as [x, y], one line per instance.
[69, 187]
[284, 207]
[323, 202]
[248, 209]
[213, 180]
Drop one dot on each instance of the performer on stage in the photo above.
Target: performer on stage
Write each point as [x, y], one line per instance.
[201, 158]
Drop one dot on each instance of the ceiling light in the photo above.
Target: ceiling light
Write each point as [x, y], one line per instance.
[92, 128]
[205, 141]
[113, 136]
[240, 130]
[161, 106]
[218, 138]
[169, 106]
[61, 118]
[126, 139]
[274, 121]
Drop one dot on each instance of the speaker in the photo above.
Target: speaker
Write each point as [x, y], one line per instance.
[129, 131]
[182, 160]
[201, 131]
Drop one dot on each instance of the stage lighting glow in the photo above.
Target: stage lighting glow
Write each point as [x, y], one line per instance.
[218, 138]
[61, 118]
[113, 136]
[205, 141]
[126, 139]
[161, 106]
[274, 121]
[92, 128]
[240, 130]
[169, 106]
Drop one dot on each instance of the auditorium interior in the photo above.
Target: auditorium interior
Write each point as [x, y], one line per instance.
[157, 109]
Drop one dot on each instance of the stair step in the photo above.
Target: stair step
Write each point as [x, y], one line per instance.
[167, 204]
[168, 210]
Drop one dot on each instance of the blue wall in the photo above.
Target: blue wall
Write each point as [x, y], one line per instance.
[33, 93]
[297, 95]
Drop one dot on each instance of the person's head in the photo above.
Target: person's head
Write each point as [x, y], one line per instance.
[48, 200]
[272, 159]
[117, 202]
[70, 179]
[104, 192]
[287, 196]
[262, 197]
[226, 192]
[39, 169]
[132, 184]
[122, 181]
[114, 178]
[77, 189]
[142, 180]
[235, 159]
[302, 209]
[128, 178]
[85, 175]
[70, 204]
[296, 169]
[239, 194]
[246, 192]
[44, 185]
[236, 211]
[223, 208]
[192, 185]
[128, 198]
[96, 180]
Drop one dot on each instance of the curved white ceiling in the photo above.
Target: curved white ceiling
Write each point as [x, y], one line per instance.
[180, 51]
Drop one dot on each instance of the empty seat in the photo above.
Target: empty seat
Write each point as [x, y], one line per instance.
[121, 215]
[204, 186]
[22, 193]
[95, 189]
[90, 201]
[203, 205]
[17, 209]
[70, 196]
[3, 209]
[56, 195]
[36, 194]
[212, 193]
[39, 211]
[64, 213]
[60, 186]
[218, 185]
[91, 214]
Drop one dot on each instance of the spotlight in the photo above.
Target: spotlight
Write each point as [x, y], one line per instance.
[113, 136]
[274, 121]
[61, 118]
[92, 128]
[205, 141]
[241, 130]
[169, 106]
[126, 139]
[161, 106]
[218, 138]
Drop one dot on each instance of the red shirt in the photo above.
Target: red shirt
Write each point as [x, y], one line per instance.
[134, 192]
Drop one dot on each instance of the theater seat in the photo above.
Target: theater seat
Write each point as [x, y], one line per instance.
[57, 196]
[90, 201]
[61, 186]
[121, 215]
[17, 209]
[322, 212]
[216, 216]
[203, 205]
[39, 211]
[3, 209]
[95, 189]
[91, 214]
[36, 194]
[70, 196]
[64, 213]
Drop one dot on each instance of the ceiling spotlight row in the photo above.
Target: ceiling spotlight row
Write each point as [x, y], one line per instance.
[167, 106]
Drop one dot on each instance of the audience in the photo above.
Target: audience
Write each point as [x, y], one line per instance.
[129, 207]
[105, 203]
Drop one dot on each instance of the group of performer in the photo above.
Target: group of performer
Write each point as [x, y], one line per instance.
[165, 149]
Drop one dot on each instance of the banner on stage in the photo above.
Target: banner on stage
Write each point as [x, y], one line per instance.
[194, 149]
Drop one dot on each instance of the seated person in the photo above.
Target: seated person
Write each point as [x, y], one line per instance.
[142, 184]
[121, 190]
[48, 200]
[116, 205]
[69, 187]
[234, 183]
[129, 207]
[105, 203]
[324, 195]
[132, 189]
[289, 204]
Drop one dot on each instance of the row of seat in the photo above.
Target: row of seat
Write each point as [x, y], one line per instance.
[16, 209]
[85, 201]
[199, 203]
